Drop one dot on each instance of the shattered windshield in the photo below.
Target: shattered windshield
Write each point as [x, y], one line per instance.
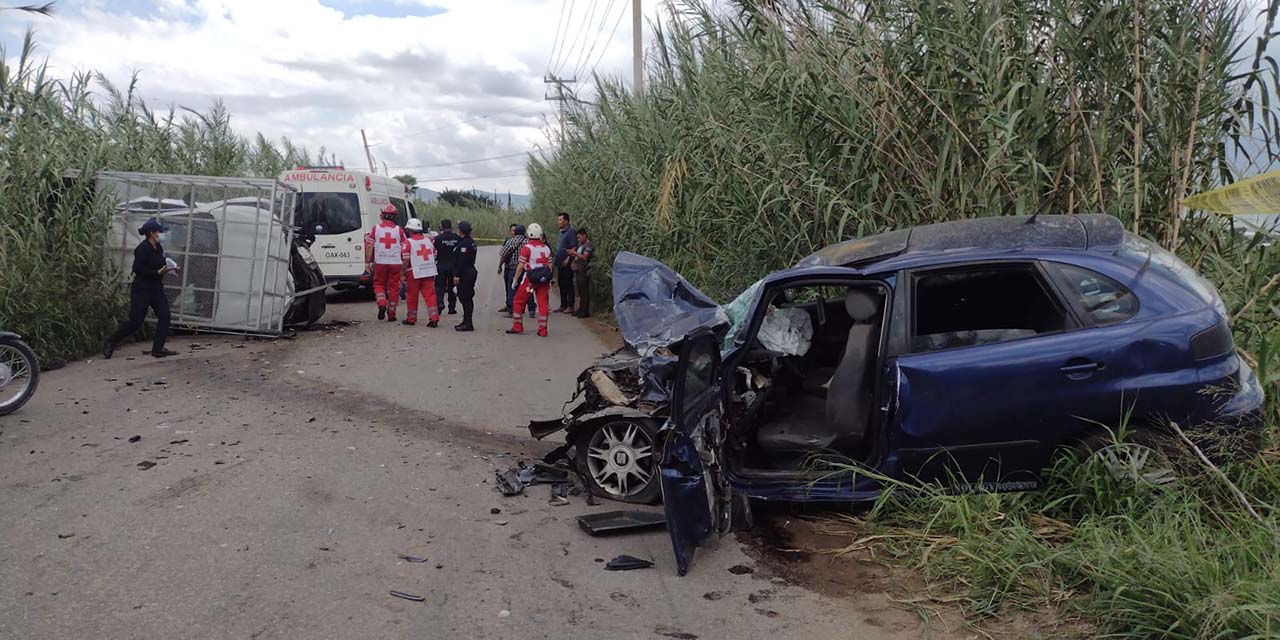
[739, 312]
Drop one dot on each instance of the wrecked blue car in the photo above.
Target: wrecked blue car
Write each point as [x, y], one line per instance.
[965, 352]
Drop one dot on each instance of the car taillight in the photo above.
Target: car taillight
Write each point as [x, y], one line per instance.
[368, 184]
[1212, 342]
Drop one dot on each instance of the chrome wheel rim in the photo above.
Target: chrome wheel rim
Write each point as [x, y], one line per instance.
[620, 458]
[1137, 462]
[15, 375]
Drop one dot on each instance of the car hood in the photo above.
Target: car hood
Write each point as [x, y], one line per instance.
[656, 307]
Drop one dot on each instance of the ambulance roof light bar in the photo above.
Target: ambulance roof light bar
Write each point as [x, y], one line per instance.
[303, 167]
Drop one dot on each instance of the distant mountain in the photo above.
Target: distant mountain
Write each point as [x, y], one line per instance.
[518, 200]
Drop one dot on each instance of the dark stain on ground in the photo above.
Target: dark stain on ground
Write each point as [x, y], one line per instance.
[668, 632]
[741, 570]
[768, 613]
[712, 595]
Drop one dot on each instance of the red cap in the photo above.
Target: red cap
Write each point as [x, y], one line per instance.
[389, 210]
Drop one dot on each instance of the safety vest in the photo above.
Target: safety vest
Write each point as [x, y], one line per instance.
[388, 241]
[537, 255]
[422, 257]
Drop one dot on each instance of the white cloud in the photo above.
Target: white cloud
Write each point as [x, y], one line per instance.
[461, 84]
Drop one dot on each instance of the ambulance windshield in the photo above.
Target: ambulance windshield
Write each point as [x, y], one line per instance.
[328, 213]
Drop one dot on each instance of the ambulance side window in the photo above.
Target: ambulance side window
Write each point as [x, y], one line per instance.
[402, 211]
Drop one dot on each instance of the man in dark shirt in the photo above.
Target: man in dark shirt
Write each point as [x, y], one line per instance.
[581, 272]
[147, 290]
[564, 261]
[465, 274]
[446, 245]
[510, 249]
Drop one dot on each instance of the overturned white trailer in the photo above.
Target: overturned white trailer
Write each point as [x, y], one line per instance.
[233, 241]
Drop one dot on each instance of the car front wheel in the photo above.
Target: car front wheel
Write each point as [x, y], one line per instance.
[618, 459]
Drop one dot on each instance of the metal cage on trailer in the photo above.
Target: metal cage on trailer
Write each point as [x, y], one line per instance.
[232, 238]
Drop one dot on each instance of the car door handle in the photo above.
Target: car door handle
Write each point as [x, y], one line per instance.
[1080, 368]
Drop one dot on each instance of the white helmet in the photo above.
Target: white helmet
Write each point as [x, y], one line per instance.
[535, 231]
[414, 224]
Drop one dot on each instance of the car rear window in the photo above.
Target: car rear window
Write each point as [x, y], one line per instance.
[329, 213]
[1102, 300]
[1170, 264]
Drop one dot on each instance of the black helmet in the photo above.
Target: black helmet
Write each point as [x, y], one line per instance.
[446, 224]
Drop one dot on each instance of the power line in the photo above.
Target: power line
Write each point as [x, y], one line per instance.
[621, 14]
[586, 56]
[555, 42]
[557, 54]
[574, 45]
[503, 175]
[464, 121]
[472, 161]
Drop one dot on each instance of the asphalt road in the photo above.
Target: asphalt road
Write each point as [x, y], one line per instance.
[288, 475]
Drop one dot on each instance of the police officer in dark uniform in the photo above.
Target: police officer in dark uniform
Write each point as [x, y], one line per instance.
[147, 290]
[465, 274]
[446, 245]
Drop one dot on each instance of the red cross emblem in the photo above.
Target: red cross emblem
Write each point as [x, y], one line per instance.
[387, 240]
[543, 260]
[424, 251]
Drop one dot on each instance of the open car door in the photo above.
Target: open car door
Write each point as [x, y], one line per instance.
[694, 491]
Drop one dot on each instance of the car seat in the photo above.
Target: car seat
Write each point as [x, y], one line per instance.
[849, 394]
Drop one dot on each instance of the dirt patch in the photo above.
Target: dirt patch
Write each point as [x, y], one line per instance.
[789, 546]
[605, 329]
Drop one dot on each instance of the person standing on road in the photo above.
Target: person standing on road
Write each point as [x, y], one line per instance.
[420, 272]
[446, 243]
[510, 249]
[581, 280]
[533, 273]
[147, 290]
[384, 248]
[564, 265]
[465, 275]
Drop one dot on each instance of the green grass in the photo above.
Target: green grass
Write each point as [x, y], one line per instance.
[487, 223]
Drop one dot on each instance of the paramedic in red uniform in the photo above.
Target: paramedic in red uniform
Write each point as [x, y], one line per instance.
[420, 273]
[384, 249]
[533, 273]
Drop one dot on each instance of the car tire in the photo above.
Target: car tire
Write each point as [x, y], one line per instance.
[1144, 454]
[616, 448]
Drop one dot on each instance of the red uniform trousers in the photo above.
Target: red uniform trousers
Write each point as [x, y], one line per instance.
[540, 291]
[427, 287]
[386, 286]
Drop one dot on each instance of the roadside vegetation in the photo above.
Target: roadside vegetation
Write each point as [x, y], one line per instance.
[770, 129]
[489, 222]
[56, 289]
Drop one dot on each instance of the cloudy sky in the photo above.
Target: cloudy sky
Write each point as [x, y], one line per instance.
[435, 84]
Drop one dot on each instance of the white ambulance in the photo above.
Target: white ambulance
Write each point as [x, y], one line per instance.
[339, 206]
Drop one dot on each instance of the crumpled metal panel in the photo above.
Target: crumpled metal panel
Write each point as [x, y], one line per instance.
[656, 307]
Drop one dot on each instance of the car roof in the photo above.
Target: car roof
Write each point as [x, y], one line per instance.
[998, 233]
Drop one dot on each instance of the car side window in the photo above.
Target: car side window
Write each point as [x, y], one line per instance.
[1102, 300]
[987, 304]
[700, 373]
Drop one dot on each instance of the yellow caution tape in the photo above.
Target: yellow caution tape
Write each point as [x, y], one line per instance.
[1259, 194]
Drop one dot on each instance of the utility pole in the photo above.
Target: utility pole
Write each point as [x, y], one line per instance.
[637, 50]
[368, 156]
[559, 96]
